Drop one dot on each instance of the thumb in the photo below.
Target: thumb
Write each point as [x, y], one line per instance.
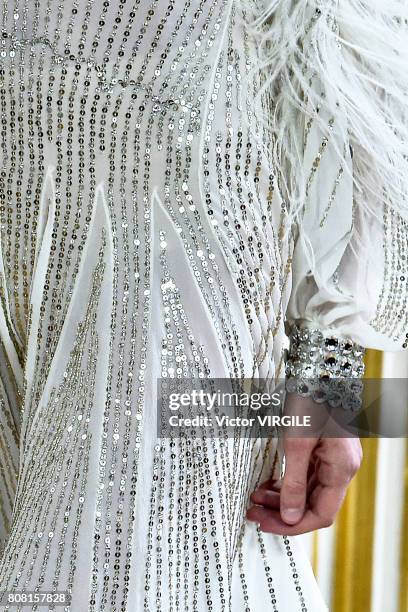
[294, 482]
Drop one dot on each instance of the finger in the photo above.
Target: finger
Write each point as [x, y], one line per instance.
[311, 485]
[338, 461]
[270, 521]
[333, 476]
[271, 484]
[312, 467]
[270, 499]
[294, 482]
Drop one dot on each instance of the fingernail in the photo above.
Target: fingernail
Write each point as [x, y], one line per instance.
[291, 515]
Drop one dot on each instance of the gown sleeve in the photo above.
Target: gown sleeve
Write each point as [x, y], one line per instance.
[349, 267]
[340, 89]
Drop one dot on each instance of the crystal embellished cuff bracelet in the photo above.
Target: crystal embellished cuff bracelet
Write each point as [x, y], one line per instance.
[325, 367]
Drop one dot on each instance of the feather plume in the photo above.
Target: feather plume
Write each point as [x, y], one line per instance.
[348, 59]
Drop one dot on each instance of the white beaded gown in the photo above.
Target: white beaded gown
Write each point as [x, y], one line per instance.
[145, 232]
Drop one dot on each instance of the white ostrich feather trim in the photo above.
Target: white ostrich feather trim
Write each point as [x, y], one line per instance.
[348, 58]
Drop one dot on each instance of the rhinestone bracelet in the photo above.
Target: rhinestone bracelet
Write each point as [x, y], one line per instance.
[325, 367]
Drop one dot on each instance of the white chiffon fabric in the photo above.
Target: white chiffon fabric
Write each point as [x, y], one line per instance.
[346, 265]
[336, 70]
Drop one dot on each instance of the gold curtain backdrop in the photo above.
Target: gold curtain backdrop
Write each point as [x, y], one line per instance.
[361, 562]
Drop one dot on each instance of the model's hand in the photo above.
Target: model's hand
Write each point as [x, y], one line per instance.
[317, 474]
